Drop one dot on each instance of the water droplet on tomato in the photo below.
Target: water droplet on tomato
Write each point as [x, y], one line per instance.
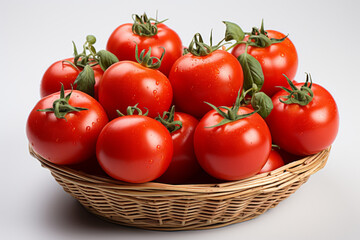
[93, 123]
[282, 55]
[155, 92]
[157, 82]
[88, 128]
[158, 147]
[73, 129]
[176, 69]
[98, 119]
[151, 161]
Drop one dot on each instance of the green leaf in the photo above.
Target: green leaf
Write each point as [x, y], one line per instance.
[91, 39]
[85, 81]
[233, 32]
[106, 59]
[253, 73]
[263, 103]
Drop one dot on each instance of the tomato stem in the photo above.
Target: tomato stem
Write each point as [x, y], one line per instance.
[61, 106]
[167, 119]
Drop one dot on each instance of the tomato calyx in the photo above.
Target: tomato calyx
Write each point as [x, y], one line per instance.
[302, 96]
[61, 106]
[167, 119]
[147, 60]
[259, 37]
[88, 58]
[231, 115]
[143, 26]
[197, 46]
[131, 110]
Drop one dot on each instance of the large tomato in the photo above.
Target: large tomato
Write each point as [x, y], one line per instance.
[304, 130]
[215, 78]
[274, 161]
[123, 40]
[134, 149]
[233, 151]
[127, 83]
[184, 166]
[70, 140]
[61, 72]
[275, 60]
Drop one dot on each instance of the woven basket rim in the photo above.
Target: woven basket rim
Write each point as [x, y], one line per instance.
[301, 169]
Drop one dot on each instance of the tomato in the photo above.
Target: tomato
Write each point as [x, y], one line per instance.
[62, 72]
[274, 161]
[184, 165]
[128, 83]
[275, 60]
[134, 149]
[288, 157]
[122, 43]
[304, 130]
[233, 151]
[215, 78]
[66, 141]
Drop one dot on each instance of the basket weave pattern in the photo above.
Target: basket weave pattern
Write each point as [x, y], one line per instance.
[180, 207]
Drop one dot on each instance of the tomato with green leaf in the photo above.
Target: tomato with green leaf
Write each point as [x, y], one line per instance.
[232, 143]
[305, 118]
[127, 83]
[184, 166]
[145, 33]
[134, 148]
[64, 128]
[275, 53]
[82, 72]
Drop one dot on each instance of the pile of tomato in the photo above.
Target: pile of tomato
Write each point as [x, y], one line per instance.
[149, 109]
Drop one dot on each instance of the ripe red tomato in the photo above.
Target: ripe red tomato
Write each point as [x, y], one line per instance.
[122, 43]
[62, 72]
[274, 161]
[128, 83]
[304, 130]
[215, 78]
[66, 141]
[275, 60]
[183, 166]
[233, 151]
[134, 149]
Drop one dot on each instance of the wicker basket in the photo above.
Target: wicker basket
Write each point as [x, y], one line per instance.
[159, 206]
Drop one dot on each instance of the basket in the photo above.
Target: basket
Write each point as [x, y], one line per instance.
[158, 206]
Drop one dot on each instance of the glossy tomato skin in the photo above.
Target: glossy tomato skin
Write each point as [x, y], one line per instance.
[62, 72]
[235, 150]
[215, 78]
[304, 130]
[69, 141]
[122, 43]
[275, 60]
[274, 161]
[128, 83]
[183, 166]
[134, 149]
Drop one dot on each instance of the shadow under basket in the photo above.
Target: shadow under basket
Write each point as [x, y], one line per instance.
[158, 206]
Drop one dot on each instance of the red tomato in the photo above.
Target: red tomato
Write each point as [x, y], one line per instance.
[275, 60]
[274, 161]
[184, 165]
[235, 150]
[128, 83]
[122, 43]
[304, 130]
[215, 78]
[62, 72]
[134, 149]
[67, 141]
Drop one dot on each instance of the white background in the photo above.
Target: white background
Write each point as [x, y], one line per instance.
[34, 34]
